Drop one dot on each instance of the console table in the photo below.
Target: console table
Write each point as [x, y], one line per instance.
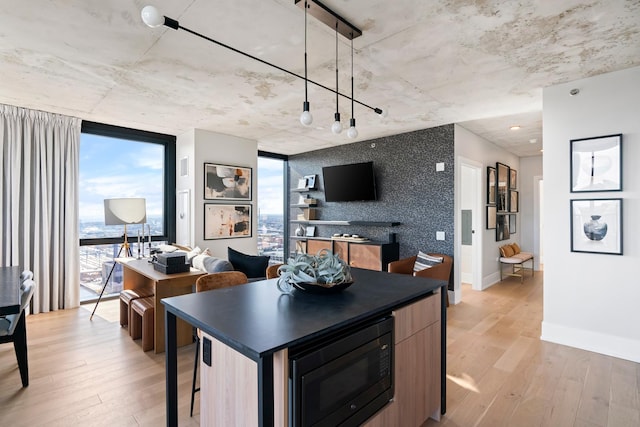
[139, 273]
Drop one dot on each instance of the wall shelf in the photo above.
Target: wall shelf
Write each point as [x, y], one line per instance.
[303, 205]
[365, 223]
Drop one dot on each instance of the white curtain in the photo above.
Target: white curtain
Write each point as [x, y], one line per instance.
[39, 154]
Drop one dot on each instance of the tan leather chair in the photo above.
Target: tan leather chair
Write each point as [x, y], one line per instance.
[272, 271]
[208, 282]
[439, 272]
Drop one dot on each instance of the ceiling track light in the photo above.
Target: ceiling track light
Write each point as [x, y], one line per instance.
[152, 17]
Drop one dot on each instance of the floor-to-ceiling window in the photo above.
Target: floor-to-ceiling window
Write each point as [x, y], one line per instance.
[271, 206]
[121, 163]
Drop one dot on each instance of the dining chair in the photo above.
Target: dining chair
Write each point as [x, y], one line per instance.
[25, 275]
[208, 282]
[13, 329]
[272, 271]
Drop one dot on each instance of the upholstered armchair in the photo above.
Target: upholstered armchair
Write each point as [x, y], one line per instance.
[440, 271]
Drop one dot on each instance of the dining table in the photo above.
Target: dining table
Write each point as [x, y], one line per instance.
[10, 295]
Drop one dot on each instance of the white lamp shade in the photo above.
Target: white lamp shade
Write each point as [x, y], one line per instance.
[125, 211]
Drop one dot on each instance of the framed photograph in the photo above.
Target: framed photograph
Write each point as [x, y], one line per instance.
[222, 182]
[491, 185]
[311, 231]
[513, 179]
[302, 183]
[512, 224]
[502, 227]
[226, 221]
[491, 217]
[596, 226]
[514, 205]
[596, 164]
[502, 201]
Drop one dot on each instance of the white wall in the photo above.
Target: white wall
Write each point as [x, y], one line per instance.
[468, 202]
[592, 301]
[201, 147]
[472, 146]
[528, 218]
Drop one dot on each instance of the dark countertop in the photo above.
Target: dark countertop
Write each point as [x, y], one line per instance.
[256, 319]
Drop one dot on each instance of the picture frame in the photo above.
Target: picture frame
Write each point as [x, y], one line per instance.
[514, 201]
[596, 164]
[596, 226]
[491, 185]
[513, 179]
[502, 186]
[310, 231]
[491, 217]
[502, 227]
[222, 221]
[224, 182]
[512, 224]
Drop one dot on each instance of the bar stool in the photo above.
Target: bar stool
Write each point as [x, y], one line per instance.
[126, 297]
[142, 319]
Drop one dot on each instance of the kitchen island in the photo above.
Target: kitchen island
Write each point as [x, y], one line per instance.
[251, 327]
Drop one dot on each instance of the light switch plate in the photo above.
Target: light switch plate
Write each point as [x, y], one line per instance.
[440, 168]
[439, 235]
[206, 351]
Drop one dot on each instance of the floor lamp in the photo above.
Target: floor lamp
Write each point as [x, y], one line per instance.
[122, 212]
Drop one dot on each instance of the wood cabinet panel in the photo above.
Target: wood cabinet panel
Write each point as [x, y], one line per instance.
[341, 249]
[314, 246]
[365, 256]
[410, 319]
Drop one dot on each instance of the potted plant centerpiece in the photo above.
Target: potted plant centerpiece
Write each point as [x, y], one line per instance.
[324, 272]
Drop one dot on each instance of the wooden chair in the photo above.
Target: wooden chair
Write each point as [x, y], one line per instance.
[209, 282]
[13, 329]
[439, 272]
[272, 271]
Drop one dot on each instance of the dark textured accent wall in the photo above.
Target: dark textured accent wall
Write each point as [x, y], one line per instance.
[409, 189]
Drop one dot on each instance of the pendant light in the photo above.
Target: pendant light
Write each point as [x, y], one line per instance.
[336, 127]
[352, 132]
[305, 118]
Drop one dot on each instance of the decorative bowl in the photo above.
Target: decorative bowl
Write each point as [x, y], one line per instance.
[318, 288]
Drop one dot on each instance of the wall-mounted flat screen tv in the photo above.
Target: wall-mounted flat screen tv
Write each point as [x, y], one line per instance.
[352, 182]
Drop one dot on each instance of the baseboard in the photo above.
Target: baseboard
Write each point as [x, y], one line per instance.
[466, 277]
[490, 280]
[622, 348]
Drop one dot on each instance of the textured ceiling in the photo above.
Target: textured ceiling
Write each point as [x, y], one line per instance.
[482, 64]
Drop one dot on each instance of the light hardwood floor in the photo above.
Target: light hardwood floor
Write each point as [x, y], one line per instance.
[91, 373]
[499, 373]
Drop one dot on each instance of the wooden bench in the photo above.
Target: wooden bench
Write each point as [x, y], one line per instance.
[516, 261]
[142, 318]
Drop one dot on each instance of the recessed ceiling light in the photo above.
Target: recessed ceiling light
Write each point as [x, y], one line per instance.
[515, 127]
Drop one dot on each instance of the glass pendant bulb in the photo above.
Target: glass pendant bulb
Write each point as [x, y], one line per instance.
[152, 16]
[336, 127]
[352, 132]
[306, 118]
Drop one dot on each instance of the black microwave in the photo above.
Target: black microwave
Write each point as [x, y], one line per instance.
[342, 380]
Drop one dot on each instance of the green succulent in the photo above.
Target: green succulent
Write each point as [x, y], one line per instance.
[324, 269]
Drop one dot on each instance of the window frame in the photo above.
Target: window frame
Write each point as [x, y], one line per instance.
[169, 144]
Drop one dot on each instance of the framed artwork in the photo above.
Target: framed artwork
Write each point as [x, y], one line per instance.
[491, 185]
[491, 217]
[226, 221]
[513, 179]
[596, 226]
[311, 231]
[502, 227]
[502, 201]
[514, 204]
[596, 164]
[512, 224]
[222, 182]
